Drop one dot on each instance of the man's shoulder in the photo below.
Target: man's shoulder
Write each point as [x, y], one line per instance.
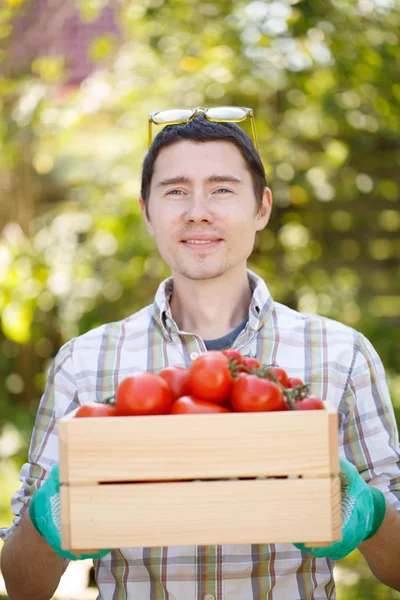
[292, 319]
[113, 333]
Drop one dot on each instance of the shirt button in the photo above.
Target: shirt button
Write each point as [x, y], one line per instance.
[209, 597]
[194, 355]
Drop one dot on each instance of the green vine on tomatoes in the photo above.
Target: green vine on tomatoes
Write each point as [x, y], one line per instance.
[266, 372]
[110, 401]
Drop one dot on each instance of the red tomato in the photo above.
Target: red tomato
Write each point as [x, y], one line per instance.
[177, 379]
[233, 355]
[210, 377]
[96, 409]
[251, 363]
[254, 394]
[143, 394]
[188, 405]
[295, 382]
[281, 376]
[310, 403]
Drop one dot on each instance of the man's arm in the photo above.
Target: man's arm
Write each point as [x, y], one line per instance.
[370, 476]
[30, 567]
[371, 440]
[382, 551]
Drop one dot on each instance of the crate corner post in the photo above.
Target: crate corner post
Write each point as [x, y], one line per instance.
[63, 426]
[63, 435]
[336, 509]
[65, 517]
[333, 426]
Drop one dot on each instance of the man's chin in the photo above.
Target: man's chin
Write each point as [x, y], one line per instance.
[204, 272]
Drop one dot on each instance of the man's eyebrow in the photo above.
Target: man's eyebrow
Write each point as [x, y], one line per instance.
[185, 180]
[173, 181]
[222, 178]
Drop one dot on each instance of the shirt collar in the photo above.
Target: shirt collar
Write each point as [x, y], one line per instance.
[261, 304]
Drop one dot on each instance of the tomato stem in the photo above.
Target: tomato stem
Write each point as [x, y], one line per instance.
[268, 374]
[265, 372]
[110, 401]
[237, 368]
[289, 399]
[300, 392]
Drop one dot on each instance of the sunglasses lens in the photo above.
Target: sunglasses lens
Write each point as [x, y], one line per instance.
[226, 112]
[171, 116]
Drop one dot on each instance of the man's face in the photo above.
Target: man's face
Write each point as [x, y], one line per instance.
[202, 209]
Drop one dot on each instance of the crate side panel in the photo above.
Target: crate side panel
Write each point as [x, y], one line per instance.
[201, 513]
[199, 446]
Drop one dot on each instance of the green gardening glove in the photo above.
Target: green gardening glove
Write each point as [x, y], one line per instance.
[44, 511]
[363, 511]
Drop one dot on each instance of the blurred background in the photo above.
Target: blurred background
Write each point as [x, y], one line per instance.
[77, 81]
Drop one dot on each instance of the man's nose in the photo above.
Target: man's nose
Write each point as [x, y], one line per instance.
[198, 208]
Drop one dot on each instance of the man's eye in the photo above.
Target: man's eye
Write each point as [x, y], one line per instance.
[174, 192]
[220, 190]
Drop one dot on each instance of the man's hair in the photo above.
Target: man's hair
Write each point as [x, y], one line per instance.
[200, 130]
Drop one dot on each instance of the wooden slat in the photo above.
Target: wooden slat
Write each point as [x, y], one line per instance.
[204, 513]
[198, 446]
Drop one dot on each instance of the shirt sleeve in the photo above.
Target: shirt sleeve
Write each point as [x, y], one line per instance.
[368, 430]
[60, 397]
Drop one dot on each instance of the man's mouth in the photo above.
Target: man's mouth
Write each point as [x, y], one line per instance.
[201, 244]
[200, 241]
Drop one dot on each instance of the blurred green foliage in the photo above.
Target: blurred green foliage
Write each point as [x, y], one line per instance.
[322, 78]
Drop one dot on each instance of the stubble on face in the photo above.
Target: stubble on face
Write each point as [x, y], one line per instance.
[202, 270]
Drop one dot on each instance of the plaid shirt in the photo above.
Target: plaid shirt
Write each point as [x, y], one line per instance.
[338, 364]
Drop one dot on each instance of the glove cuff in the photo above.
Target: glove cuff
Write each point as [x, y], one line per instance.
[379, 513]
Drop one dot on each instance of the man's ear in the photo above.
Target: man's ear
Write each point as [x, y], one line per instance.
[146, 219]
[264, 210]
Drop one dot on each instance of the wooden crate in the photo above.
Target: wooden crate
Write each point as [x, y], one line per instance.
[167, 480]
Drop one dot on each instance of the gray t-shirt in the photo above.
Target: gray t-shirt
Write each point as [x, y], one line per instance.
[227, 340]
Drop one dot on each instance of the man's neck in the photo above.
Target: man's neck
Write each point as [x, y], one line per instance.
[211, 308]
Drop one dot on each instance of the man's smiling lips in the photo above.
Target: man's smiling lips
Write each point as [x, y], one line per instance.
[201, 242]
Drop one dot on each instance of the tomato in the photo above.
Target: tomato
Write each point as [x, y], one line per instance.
[281, 376]
[143, 394]
[234, 355]
[251, 363]
[189, 405]
[255, 394]
[96, 409]
[210, 377]
[294, 382]
[310, 403]
[177, 379]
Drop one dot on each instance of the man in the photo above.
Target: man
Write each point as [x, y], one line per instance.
[204, 197]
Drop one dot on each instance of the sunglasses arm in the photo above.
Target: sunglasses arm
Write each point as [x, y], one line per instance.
[253, 129]
[150, 130]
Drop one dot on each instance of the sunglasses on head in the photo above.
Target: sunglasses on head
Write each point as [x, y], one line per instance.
[219, 114]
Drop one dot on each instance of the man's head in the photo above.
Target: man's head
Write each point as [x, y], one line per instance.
[204, 196]
[200, 130]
